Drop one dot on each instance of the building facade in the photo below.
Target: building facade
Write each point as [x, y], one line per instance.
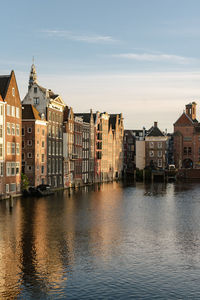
[10, 135]
[34, 146]
[155, 148]
[50, 106]
[187, 139]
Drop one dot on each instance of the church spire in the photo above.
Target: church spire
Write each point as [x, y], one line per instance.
[33, 75]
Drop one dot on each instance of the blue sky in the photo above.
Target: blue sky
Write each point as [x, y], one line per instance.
[140, 57]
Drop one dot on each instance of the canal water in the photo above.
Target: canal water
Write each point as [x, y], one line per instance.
[115, 241]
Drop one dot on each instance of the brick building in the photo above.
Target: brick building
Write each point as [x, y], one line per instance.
[155, 148]
[50, 106]
[34, 145]
[187, 139]
[10, 135]
[88, 146]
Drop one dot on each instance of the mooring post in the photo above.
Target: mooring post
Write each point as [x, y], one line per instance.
[11, 202]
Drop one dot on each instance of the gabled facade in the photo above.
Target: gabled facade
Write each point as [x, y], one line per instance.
[50, 106]
[10, 135]
[155, 148]
[187, 139]
[34, 146]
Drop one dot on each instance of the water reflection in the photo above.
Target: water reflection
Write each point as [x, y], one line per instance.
[136, 233]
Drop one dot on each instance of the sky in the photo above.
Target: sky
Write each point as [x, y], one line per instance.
[138, 57]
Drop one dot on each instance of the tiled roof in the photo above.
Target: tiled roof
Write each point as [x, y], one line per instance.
[184, 119]
[30, 112]
[4, 83]
[155, 131]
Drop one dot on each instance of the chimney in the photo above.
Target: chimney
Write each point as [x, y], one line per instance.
[191, 110]
[155, 124]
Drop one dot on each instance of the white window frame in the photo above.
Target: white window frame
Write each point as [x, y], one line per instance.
[13, 111]
[8, 110]
[8, 128]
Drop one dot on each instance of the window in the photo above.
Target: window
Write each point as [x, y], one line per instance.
[29, 142]
[13, 91]
[42, 157]
[13, 148]
[38, 130]
[187, 150]
[12, 168]
[8, 147]
[36, 100]
[8, 128]
[1, 131]
[7, 188]
[1, 169]
[13, 129]
[160, 163]
[151, 153]
[29, 155]
[13, 111]
[53, 148]
[1, 150]
[1, 110]
[42, 144]
[43, 132]
[13, 187]
[23, 131]
[35, 90]
[17, 112]
[17, 129]
[29, 168]
[29, 129]
[49, 147]
[8, 110]
[151, 144]
[159, 153]
[49, 131]
[8, 171]
[42, 169]
[23, 156]
[17, 168]
[160, 145]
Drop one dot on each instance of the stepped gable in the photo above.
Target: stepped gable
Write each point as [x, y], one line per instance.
[30, 112]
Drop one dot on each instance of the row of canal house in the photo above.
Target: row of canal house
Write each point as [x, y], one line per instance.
[62, 148]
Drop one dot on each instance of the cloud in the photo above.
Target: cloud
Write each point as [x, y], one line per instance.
[79, 37]
[155, 57]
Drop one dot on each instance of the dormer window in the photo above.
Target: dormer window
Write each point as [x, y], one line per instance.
[13, 91]
[35, 90]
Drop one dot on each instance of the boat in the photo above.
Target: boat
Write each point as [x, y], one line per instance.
[44, 190]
